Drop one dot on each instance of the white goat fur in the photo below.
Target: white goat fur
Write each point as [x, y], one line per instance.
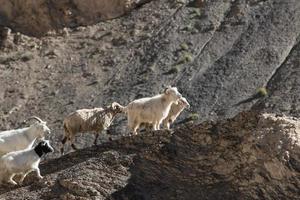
[175, 111]
[18, 139]
[88, 120]
[19, 162]
[150, 109]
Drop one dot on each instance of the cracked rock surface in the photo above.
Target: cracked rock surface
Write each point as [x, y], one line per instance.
[251, 156]
[218, 53]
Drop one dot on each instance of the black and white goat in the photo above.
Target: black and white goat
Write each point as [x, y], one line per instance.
[23, 162]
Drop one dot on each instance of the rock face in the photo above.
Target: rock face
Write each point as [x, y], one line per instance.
[218, 53]
[283, 87]
[252, 156]
[37, 17]
[248, 157]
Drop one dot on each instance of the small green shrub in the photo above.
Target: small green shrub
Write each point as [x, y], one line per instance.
[193, 117]
[184, 46]
[195, 13]
[188, 28]
[173, 70]
[262, 91]
[180, 1]
[188, 57]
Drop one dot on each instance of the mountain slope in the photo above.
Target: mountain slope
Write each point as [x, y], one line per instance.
[251, 156]
[218, 53]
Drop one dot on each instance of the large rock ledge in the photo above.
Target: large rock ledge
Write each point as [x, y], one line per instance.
[37, 17]
[251, 156]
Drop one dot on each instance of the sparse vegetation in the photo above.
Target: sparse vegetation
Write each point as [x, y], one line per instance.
[180, 2]
[262, 91]
[188, 57]
[188, 27]
[193, 117]
[185, 58]
[184, 46]
[195, 13]
[173, 70]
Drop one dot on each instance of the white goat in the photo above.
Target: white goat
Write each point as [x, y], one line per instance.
[150, 109]
[88, 120]
[174, 112]
[23, 162]
[18, 139]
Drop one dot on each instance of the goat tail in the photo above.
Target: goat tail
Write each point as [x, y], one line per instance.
[116, 105]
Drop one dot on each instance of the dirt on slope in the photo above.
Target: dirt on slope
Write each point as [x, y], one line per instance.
[218, 53]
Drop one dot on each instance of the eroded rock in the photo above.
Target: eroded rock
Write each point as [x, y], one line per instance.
[37, 17]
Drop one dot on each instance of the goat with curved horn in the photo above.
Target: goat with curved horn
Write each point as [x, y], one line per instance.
[23, 138]
[36, 118]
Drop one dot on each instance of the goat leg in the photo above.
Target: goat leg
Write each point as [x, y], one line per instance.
[74, 147]
[96, 137]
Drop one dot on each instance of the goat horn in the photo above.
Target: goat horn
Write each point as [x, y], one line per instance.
[36, 118]
[115, 104]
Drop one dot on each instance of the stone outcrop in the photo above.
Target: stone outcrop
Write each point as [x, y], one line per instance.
[37, 17]
[218, 53]
[248, 157]
[251, 156]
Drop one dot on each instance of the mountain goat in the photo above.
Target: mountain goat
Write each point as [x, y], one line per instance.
[174, 112]
[23, 162]
[88, 120]
[150, 110]
[18, 139]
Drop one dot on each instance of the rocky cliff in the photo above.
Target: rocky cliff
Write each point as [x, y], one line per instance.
[37, 17]
[220, 54]
[251, 156]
